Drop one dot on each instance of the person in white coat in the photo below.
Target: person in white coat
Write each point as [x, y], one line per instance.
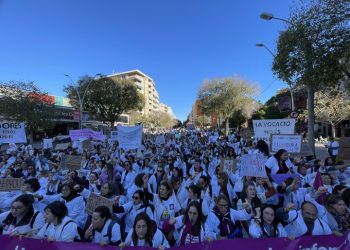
[74, 202]
[267, 226]
[279, 163]
[130, 210]
[22, 219]
[188, 228]
[303, 222]
[221, 221]
[58, 227]
[145, 234]
[103, 229]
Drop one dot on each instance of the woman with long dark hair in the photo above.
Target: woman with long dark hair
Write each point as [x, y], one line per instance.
[58, 227]
[22, 219]
[279, 163]
[337, 215]
[267, 226]
[145, 234]
[189, 228]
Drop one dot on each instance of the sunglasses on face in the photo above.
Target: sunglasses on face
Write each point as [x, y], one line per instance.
[136, 197]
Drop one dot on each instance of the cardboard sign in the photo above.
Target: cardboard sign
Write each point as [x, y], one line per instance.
[263, 129]
[62, 146]
[72, 162]
[95, 201]
[228, 164]
[11, 184]
[253, 165]
[12, 132]
[291, 143]
[47, 143]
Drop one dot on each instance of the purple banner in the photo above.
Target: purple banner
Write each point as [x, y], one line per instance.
[279, 178]
[304, 243]
[86, 134]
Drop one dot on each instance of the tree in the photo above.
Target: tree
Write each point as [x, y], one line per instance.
[25, 102]
[314, 50]
[227, 96]
[332, 107]
[159, 119]
[106, 97]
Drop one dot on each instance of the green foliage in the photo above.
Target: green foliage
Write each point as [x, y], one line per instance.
[227, 97]
[106, 97]
[316, 46]
[25, 102]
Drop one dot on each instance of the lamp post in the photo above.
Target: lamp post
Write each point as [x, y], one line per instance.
[268, 16]
[289, 83]
[80, 98]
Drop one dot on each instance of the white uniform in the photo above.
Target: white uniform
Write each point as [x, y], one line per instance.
[255, 230]
[103, 236]
[212, 223]
[65, 231]
[157, 241]
[35, 223]
[297, 226]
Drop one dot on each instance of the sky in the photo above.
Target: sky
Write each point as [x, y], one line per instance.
[178, 43]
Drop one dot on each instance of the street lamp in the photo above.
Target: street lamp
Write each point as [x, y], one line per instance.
[81, 98]
[289, 83]
[268, 16]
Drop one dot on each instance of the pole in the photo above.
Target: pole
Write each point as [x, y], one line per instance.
[79, 99]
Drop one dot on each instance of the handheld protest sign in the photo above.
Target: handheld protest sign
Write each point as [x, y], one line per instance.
[72, 162]
[253, 165]
[11, 184]
[62, 146]
[228, 164]
[291, 143]
[95, 201]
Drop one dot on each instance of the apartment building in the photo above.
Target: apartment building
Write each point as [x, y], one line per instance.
[145, 85]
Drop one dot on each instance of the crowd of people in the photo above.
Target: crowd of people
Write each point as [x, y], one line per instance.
[171, 194]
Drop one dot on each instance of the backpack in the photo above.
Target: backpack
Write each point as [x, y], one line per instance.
[32, 220]
[109, 232]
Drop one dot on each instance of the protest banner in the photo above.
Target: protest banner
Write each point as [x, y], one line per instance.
[62, 146]
[11, 184]
[321, 242]
[291, 143]
[130, 137]
[114, 135]
[47, 143]
[81, 134]
[95, 201]
[228, 164]
[160, 139]
[263, 129]
[72, 162]
[253, 165]
[12, 132]
[279, 178]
